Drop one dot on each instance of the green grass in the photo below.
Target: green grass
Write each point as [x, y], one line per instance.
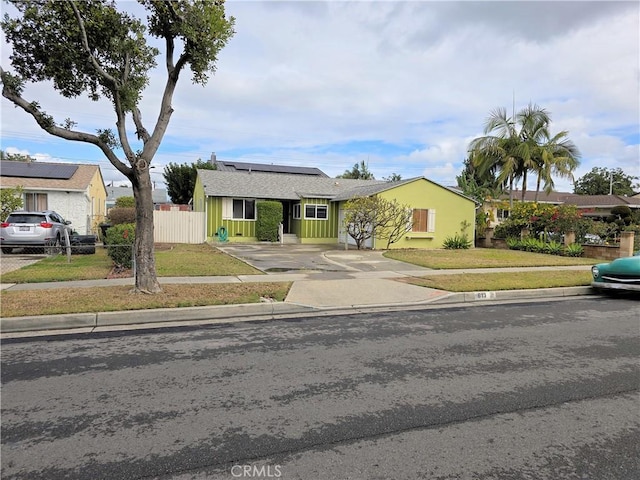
[199, 260]
[56, 269]
[475, 282]
[171, 261]
[483, 258]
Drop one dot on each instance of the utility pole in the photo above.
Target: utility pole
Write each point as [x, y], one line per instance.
[610, 182]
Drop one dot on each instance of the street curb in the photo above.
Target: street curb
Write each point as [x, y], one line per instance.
[263, 311]
[154, 316]
[47, 322]
[479, 297]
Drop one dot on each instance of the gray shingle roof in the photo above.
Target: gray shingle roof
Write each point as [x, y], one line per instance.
[294, 187]
[278, 187]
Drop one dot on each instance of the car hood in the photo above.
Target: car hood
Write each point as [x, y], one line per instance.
[621, 266]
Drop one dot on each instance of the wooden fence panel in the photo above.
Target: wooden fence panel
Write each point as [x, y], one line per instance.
[179, 227]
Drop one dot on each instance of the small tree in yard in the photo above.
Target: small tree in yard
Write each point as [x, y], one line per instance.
[181, 180]
[91, 47]
[369, 216]
[10, 201]
[396, 220]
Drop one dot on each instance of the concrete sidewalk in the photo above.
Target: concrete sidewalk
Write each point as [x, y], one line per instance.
[312, 292]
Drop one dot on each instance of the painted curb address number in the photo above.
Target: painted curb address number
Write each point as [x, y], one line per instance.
[484, 295]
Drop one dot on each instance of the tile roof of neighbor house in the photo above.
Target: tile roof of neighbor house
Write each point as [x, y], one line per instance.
[293, 187]
[26, 175]
[586, 201]
[230, 166]
[602, 201]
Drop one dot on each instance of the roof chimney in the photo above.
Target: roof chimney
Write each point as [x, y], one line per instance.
[212, 160]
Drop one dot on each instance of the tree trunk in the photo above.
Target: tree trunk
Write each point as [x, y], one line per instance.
[510, 192]
[145, 262]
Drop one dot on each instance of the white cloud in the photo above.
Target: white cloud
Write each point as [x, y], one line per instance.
[301, 81]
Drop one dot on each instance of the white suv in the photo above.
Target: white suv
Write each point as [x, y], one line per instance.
[33, 229]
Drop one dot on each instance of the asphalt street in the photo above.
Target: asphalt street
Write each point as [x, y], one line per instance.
[540, 390]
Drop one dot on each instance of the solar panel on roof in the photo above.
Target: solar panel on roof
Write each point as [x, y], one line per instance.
[266, 168]
[38, 170]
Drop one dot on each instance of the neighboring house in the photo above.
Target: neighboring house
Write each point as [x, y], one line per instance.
[591, 206]
[75, 191]
[158, 195]
[313, 206]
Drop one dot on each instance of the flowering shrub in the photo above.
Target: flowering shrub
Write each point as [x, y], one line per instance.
[539, 218]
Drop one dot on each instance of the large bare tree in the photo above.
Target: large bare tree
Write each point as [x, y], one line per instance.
[90, 47]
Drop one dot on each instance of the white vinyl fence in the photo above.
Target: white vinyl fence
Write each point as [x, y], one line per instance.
[179, 227]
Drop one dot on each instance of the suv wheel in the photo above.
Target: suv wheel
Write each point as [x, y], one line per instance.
[54, 247]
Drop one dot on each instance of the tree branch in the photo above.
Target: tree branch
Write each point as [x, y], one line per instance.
[85, 44]
[48, 125]
[141, 132]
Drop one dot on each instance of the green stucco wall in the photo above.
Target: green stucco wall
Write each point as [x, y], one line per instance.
[451, 210]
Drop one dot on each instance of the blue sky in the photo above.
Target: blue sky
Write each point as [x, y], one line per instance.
[404, 86]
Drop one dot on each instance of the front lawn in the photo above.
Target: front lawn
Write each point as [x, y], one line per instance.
[483, 258]
[109, 299]
[478, 282]
[177, 260]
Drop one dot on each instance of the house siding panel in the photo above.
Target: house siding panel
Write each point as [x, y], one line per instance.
[73, 206]
[319, 231]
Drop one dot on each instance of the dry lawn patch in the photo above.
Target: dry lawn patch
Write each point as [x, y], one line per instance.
[478, 282]
[107, 299]
[483, 258]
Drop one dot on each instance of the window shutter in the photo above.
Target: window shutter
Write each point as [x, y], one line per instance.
[431, 223]
[227, 208]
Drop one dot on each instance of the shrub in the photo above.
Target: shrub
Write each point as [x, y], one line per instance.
[514, 243]
[507, 229]
[119, 215]
[529, 244]
[457, 242]
[269, 216]
[125, 202]
[120, 240]
[553, 248]
[574, 250]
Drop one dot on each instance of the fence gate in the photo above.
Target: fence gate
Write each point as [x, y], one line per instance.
[179, 227]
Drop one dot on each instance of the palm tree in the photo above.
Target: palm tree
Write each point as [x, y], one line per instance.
[534, 122]
[556, 156]
[497, 154]
[514, 146]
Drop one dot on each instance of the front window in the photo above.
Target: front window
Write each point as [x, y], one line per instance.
[502, 214]
[35, 202]
[296, 211]
[244, 209]
[317, 212]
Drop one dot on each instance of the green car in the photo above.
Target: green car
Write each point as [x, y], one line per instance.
[621, 274]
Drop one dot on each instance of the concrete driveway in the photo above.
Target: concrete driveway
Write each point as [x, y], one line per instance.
[15, 261]
[298, 258]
